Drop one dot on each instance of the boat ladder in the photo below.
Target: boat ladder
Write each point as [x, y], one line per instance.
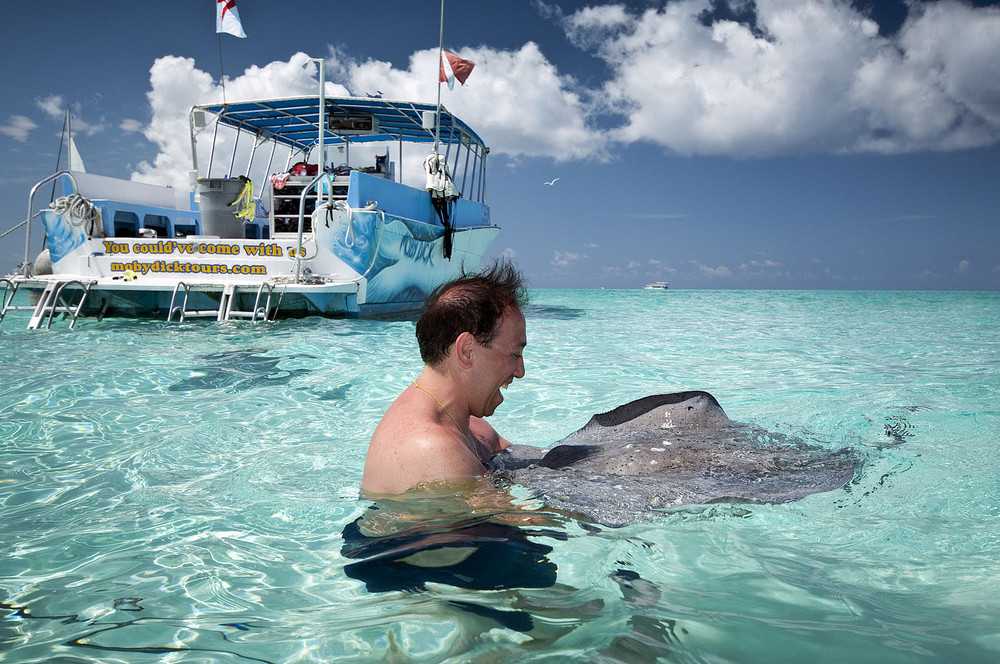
[9, 291]
[226, 301]
[52, 302]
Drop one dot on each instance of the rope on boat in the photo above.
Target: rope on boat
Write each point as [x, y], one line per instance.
[9, 231]
[350, 235]
[378, 243]
[77, 211]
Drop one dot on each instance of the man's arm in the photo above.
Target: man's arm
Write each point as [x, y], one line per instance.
[485, 433]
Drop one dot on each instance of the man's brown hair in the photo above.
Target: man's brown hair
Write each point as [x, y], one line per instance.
[472, 303]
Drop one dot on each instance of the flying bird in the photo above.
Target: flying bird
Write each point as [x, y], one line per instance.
[552, 181]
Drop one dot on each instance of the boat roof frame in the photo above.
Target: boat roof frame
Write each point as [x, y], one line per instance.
[294, 121]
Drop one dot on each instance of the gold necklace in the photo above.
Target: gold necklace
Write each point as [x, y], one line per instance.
[465, 437]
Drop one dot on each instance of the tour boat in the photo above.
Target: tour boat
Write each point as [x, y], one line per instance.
[272, 227]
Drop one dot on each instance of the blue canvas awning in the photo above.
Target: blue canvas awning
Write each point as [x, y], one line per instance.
[295, 121]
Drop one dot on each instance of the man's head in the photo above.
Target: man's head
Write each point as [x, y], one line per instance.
[472, 303]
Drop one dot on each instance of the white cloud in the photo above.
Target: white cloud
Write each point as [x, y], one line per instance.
[515, 99]
[963, 266]
[937, 86]
[55, 107]
[130, 126]
[522, 106]
[718, 271]
[177, 86]
[808, 77]
[564, 258]
[754, 264]
[18, 127]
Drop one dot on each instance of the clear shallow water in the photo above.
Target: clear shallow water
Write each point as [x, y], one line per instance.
[179, 491]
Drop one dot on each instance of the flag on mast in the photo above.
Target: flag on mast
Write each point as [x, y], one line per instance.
[227, 18]
[453, 67]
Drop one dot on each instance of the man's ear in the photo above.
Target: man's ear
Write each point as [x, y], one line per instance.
[465, 344]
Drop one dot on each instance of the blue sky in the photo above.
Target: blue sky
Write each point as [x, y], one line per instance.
[711, 144]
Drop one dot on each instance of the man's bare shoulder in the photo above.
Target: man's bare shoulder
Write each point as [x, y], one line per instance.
[409, 448]
[393, 467]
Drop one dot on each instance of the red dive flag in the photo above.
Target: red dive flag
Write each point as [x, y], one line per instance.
[453, 67]
[227, 18]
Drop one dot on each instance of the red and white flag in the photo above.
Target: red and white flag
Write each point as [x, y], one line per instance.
[453, 67]
[227, 18]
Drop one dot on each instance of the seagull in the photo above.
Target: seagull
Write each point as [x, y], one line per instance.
[376, 95]
[552, 181]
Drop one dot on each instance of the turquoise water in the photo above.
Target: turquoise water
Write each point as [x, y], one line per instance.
[177, 492]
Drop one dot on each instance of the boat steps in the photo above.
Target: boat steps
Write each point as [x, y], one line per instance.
[9, 291]
[55, 299]
[227, 299]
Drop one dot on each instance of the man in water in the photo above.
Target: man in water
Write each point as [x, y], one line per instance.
[471, 336]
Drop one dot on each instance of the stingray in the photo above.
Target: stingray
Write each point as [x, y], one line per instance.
[667, 451]
[237, 371]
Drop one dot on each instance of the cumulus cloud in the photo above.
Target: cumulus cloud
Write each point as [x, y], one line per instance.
[18, 127]
[177, 85]
[763, 78]
[516, 100]
[796, 77]
[937, 86]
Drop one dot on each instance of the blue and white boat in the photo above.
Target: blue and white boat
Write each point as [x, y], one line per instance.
[294, 234]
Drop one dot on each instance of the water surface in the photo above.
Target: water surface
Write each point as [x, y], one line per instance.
[181, 489]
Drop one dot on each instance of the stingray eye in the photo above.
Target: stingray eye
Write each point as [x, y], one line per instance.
[690, 407]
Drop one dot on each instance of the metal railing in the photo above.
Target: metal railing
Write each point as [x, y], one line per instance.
[302, 218]
[26, 267]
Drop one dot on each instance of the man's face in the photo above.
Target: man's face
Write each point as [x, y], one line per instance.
[500, 362]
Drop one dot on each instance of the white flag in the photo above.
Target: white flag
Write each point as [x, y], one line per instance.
[227, 18]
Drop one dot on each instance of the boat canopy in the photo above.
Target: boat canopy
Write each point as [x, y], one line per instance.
[295, 121]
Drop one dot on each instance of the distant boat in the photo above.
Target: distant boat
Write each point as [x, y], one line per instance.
[656, 285]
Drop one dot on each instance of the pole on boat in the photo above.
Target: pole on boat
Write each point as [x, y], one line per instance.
[222, 71]
[437, 115]
[322, 116]
[321, 122]
[321, 125]
[62, 140]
